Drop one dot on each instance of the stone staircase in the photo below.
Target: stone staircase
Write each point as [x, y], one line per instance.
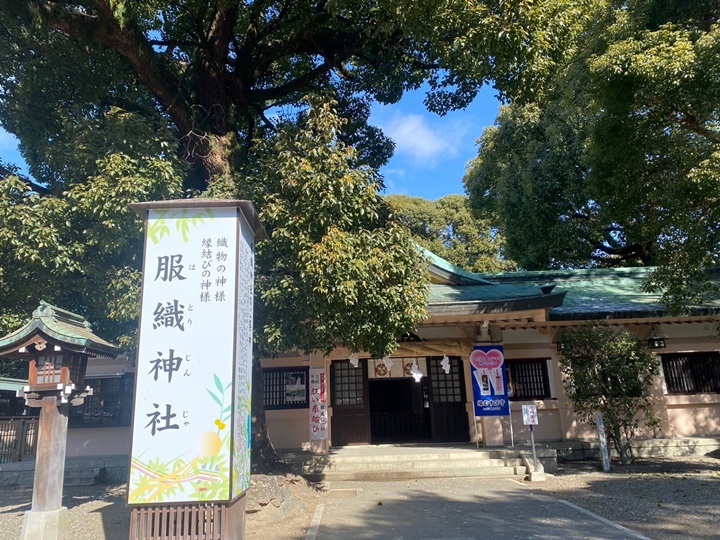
[78, 471]
[400, 462]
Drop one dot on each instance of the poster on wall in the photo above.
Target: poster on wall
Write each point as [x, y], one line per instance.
[489, 382]
[318, 404]
[191, 422]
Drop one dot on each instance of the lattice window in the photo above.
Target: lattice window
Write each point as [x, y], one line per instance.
[286, 388]
[692, 373]
[347, 384]
[446, 388]
[528, 379]
[110, 404]
[49, 369]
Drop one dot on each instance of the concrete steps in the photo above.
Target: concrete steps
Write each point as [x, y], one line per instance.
[395, 462]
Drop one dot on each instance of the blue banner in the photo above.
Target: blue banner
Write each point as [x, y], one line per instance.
[489, 382]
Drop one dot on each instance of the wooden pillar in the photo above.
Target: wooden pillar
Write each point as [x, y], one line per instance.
[47, 518]
[50, 458]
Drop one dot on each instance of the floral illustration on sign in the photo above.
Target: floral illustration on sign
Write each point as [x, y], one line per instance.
[159, 228]
[205, 477]
[241, 462]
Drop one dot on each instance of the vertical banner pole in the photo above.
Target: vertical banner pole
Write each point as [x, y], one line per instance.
[477, 433]
[532, 441]
[490, 390]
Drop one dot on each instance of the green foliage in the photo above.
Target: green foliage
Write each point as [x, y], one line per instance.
[337, 267]
[610, 371]
[215, 69]
[617, 163]
[447, 228]
[80, 249]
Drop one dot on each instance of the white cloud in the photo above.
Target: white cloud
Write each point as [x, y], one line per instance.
[422, 142]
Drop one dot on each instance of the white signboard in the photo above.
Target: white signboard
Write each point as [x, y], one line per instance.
[318, 404]
[191, 424]
[530, 415]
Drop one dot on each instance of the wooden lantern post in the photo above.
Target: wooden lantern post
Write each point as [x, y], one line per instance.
[57, 345]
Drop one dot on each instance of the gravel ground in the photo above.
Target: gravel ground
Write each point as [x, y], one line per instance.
[662, 499]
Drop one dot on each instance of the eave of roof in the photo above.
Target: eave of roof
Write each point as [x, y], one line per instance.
[59, 327]
[11, 385]
[478, 299]
[449, 272]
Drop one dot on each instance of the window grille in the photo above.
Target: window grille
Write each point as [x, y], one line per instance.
[109, 406]
[446, 387]
[692, 373]
[285, 388]
[347, 383]
[528, 379]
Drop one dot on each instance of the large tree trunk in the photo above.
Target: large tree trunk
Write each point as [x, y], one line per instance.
[264, 459]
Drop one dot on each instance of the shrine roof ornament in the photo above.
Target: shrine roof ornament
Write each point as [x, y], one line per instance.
[58, 327]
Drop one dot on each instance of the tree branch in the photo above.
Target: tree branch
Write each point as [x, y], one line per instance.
[103, 29]
[691, 123]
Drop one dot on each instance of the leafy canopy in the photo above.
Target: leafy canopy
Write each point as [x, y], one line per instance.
[218, 70]
[617, 161]
[447, 228]
[337, 267]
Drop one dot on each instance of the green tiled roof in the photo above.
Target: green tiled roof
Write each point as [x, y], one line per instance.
[11, 385]
[454, 273]
[588, 294]
[61, 326]
[599, 293]
[475, 293]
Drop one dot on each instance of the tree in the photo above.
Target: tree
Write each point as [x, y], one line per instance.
[616, 162]
[217, 69]
[209, 82]
[610, 371]
[337, 267]
[447, 228]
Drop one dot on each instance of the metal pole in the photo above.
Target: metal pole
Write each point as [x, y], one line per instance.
[532, 440]
[477, 433]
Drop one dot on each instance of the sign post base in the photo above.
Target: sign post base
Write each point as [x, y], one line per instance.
[48, 525]
[206, 521]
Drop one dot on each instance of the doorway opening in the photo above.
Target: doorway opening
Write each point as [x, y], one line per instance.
[399, 410]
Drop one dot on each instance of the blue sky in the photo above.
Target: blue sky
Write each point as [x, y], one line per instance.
[430, 154]
[431, 151]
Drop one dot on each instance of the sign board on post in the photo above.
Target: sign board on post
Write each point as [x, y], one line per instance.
[487, 369]
[191, 419]
[318, 404]
[530, 416]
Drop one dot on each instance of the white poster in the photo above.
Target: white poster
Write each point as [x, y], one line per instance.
[318, 404]
[191, 350]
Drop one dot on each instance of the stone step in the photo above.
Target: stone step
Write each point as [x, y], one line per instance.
[420, 457]
[407, 474]
[408, 464]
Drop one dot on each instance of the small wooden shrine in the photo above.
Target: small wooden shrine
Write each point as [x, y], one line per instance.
[57, 344]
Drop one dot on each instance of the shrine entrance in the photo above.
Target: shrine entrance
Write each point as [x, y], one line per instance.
[399, 410]
[374, 405]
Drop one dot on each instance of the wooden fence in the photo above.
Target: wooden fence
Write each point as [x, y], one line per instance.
[191, 521]
[18, 438]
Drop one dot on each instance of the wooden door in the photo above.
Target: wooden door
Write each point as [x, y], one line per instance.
[349, 394]
[448, 418]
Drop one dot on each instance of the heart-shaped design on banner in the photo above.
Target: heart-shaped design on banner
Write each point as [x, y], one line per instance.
[486, 360]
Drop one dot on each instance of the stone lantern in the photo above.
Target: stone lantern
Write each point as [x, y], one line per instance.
[57, 345]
